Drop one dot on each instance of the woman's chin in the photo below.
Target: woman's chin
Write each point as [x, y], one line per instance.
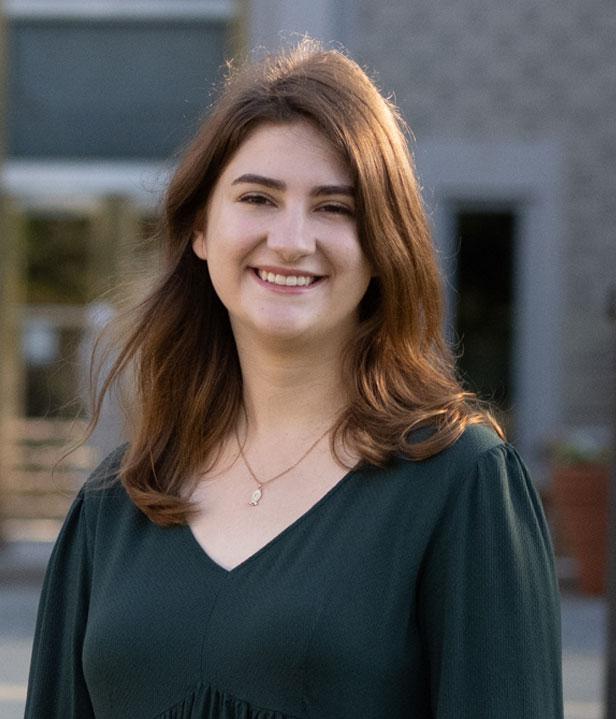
[290, 334]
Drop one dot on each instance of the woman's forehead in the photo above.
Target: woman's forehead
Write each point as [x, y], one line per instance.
[297, 151]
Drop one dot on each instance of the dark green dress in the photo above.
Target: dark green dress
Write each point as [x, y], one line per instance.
[424, 591]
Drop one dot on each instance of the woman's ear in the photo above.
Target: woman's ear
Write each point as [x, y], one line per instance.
[198, 244]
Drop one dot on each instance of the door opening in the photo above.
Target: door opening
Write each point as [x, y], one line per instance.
[485, 305]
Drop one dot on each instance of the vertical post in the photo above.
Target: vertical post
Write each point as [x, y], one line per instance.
[113, 258]
[12, 299]
[3, 459]
[114, 238]
[4, 55]
[240, 30]
[610, 669]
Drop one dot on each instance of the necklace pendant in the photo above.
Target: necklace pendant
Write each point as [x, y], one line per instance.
[255, 497]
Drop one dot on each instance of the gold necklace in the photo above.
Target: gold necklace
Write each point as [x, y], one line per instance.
[258, 492]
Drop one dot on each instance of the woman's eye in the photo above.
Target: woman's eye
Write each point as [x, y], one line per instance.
[255, 199]
[337, 209]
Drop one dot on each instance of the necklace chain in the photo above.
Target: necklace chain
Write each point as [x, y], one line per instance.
[258, 492]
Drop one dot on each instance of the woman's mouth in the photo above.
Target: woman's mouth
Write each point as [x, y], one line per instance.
[286, 280]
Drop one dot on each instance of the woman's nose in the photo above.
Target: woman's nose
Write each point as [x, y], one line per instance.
[291, 236]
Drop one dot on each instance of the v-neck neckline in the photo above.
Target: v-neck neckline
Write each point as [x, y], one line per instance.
[203, 556]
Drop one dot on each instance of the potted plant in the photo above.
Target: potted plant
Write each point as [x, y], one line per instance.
[580, 499]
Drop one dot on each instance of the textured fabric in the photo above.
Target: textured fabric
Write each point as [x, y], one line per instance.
[204, 701]
[425, 591]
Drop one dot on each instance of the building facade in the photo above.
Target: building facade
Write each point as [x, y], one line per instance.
[512, 108]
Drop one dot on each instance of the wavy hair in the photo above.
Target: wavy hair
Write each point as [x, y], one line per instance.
[399, 370]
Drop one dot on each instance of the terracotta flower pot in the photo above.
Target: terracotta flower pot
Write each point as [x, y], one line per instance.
[580, 495]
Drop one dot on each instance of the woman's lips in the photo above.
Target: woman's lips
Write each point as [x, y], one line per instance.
[286, 281]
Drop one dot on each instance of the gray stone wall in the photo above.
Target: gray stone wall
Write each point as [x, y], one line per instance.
[523, 71]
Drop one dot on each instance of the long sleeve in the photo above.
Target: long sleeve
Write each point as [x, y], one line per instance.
[488, 599]
[56, 687]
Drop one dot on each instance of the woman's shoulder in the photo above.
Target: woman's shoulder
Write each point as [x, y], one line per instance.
[103, 488]
[479, 451]
[475, 441]
[105, 475]
[479, 474]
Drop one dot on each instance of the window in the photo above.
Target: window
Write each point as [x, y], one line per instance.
[110, 80]
[485, 302]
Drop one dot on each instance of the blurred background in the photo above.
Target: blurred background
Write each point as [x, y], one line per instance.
[512, 109]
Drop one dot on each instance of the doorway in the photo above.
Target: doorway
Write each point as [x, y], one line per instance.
[485, 305]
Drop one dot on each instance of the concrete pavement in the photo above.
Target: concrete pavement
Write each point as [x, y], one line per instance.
[584, 648]
[21, 570]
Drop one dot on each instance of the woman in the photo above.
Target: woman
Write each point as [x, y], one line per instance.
[312, 518]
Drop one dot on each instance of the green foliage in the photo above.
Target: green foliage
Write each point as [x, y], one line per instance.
[572, 453]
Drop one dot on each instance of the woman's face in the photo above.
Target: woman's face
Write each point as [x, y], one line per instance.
[280, 238]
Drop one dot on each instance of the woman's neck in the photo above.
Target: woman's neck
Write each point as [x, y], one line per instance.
[290, 393]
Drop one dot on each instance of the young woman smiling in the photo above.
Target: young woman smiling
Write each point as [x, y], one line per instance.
[312, 518]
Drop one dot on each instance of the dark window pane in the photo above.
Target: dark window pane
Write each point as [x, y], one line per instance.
[119, 89]
[54, 375]
[485, 302]
[57, 259]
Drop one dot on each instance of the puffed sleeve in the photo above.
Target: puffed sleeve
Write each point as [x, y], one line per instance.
[488, 599]
[56, 687]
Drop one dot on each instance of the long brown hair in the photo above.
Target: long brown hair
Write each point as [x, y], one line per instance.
[400, 373]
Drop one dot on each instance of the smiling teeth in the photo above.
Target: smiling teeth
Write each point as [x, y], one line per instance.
[287, 280]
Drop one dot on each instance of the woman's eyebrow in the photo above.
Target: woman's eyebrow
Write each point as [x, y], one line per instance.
[260, 180]
[319, 191]
[347, 190]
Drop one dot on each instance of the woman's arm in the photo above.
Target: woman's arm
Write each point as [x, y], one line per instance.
[488, 600]
[56, 687]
